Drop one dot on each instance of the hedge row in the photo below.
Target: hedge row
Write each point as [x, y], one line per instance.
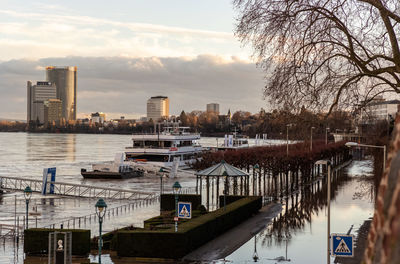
[36, 240]
[190, 235]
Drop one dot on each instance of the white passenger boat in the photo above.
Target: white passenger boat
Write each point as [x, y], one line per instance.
[175, 147]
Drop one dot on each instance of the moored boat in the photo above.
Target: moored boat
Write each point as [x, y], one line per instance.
[173, 147]
[119, 169]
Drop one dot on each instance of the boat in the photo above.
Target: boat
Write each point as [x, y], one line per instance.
[173, 147]
[233, 142]
[119, 169]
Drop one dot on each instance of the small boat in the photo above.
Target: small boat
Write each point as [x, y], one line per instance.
[116, 170]
[234, 142]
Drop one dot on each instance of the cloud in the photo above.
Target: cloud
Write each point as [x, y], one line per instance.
[123, 85]
[40, 35]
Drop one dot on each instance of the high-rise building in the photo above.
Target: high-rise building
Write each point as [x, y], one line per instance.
[65, 81]
[157, 107]
[37, 94]
[52, 111]
[213, 107]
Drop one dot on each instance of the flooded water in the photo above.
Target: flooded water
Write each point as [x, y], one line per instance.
[299, 233]
[25, 155]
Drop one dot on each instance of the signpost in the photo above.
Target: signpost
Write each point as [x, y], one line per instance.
[342, 245]
[185, 210]
[46, 173]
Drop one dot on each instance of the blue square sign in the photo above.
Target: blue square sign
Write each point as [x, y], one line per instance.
[342, 245]
[185, 210]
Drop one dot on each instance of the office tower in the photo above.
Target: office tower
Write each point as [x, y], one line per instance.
[37, 94]
[52, 111]
[157, 107]
[65, 80]
[213, 107]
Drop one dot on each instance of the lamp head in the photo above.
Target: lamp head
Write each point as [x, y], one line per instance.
[28, 193]
[351, 144]
[225, 174]
[100, 207]
[322, 162]
[176, 187]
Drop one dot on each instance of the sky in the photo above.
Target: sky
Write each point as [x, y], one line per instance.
[126, 52]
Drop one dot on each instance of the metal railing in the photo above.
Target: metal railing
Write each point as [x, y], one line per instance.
[71, 189]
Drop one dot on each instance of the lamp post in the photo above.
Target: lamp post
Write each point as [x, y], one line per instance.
[225, 174]
[28, 195]
[255, 167]
[287, 138]
[101, 208]
[326, 135]
[177, 189]
[354, 144]
[312, 128]
[328, 164]
[161, 171]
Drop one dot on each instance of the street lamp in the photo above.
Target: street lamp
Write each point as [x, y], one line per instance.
[161, 171]
[28, 195]
[101, 208]
[311, 138]
[354, 144]
[225, 174]
[255, 167]
[328, 163]
[177, 189]
[326, 135]
[287, 138]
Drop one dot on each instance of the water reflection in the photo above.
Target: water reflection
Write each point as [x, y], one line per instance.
[50, 147]
[298, 233]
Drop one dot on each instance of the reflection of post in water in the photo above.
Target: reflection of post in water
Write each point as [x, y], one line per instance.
[300, 206]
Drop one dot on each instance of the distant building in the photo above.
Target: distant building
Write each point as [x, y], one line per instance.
[52, 111]
[213, 108]
[380, 109]
[37, 94]
[157, 108]
[98, 117]
[65, 81]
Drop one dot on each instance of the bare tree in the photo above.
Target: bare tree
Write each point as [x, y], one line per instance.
[321, 53]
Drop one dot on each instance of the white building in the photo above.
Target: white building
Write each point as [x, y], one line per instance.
[157, 108]
[380, 109]
[98, 117]
[37, 94]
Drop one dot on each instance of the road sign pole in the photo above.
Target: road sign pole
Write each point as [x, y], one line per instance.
[328, 260]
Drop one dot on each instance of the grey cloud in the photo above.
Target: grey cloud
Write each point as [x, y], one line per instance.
[189, 83]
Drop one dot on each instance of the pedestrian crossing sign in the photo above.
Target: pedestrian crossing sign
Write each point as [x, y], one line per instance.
[342, 245]
[185, 210]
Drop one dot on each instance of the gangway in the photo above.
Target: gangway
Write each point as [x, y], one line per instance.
[75, 190]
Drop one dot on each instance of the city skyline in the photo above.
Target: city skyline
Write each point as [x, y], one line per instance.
[126, 55]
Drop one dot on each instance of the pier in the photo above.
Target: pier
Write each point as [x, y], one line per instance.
[75, 190]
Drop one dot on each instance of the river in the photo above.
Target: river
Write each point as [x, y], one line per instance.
[26, 154]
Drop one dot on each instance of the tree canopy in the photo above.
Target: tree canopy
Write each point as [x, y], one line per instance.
[321, 53]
